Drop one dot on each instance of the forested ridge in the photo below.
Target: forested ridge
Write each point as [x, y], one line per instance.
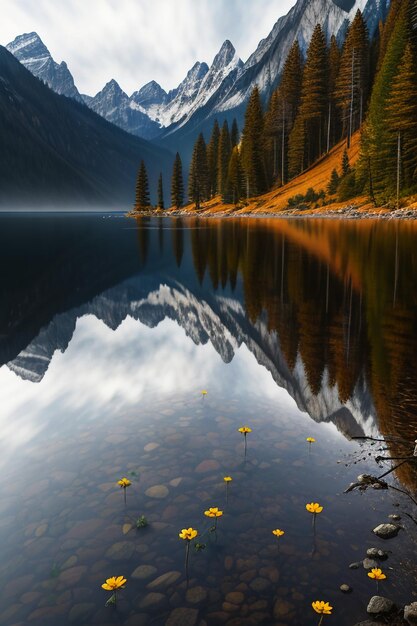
[366, 85]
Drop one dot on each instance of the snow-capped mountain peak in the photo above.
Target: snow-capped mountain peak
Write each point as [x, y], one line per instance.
[30, 50]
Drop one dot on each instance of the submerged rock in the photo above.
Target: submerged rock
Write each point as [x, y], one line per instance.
[345, 588]
[410, 613]
[378, 605]
[376, 553]
[369, 563]
[386, 531]
[182, 616]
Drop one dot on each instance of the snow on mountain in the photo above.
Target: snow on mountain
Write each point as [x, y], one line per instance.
[222, 89]
[30, 50]
[265, 65]
[220, 320]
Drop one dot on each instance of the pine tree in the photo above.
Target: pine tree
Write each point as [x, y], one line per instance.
[351, 91]
[252, 146]
[213, 159]
[379, 145]
[333, 183]
[160, 193]
[345, 163]
[177, 184]
[332, 117]
[142, 189]
[198, 181]
[235, 176]
[225, 150]
[234, 134]
[402, 118]
[313, 109]
[280, 116]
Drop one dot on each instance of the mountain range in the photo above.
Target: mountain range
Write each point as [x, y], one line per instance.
[57, 151]
[220, 90]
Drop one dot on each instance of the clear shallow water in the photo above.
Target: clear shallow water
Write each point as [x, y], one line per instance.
[110, 329]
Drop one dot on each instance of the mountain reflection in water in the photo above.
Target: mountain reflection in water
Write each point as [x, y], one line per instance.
[327, 307]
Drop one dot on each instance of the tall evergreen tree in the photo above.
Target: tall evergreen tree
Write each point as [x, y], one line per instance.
[177, 183]
[314, 103]
[142, 189]
[402, 119]
[225, 150]
[161, 204]
[198, 181]
[252, 146]
[234, 134]
[379, 148]
[332, 117]
[280, 116]
[351, 91]
[235, 176]
[213, 159]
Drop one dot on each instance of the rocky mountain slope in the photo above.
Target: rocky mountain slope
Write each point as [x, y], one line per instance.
[57, 151]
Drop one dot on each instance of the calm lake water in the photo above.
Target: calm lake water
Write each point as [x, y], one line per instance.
[111, 328]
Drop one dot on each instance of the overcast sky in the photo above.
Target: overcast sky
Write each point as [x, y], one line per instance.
[135, 41]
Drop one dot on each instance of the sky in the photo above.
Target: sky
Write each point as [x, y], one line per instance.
[135, 41]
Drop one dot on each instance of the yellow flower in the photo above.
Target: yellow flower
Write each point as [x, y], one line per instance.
[311, 440]
[204, 392]
[213, 512]
[377, 574]
[278, 533]
[322, 607]
[314, 507]
[124, 482]
[113, 583]
[227, 479]
[188, 534]
[245, 430]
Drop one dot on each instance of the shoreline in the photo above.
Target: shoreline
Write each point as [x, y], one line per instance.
[347, 213]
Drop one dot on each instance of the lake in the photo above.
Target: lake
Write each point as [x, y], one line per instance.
[111, 329]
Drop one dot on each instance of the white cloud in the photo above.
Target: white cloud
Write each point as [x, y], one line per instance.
[135, 41]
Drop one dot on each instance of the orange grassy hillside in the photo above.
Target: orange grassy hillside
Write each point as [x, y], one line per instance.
[317, 177]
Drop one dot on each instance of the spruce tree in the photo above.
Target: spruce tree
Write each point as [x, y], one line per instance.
[160, 193]
[402, 119]
[235, 176]
[198, 181]
[225, 150]
[379, 150]
[252, 146]
[142, 189]
[310, 134]
[281, 114]
[332, 117]
[333, 183]
[345, 163]
[213, 159]
[177, 184]
[234, 134]
[351, 91]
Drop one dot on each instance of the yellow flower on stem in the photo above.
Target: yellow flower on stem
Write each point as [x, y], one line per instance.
[245, 430]
[227, 479]
[278, 533]
[124, 483]
[214, 512]
[322, 608]
[314, 507]
[114, 584]
[188, 534]
[204, 393]
[377, 574]
[310, 440]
